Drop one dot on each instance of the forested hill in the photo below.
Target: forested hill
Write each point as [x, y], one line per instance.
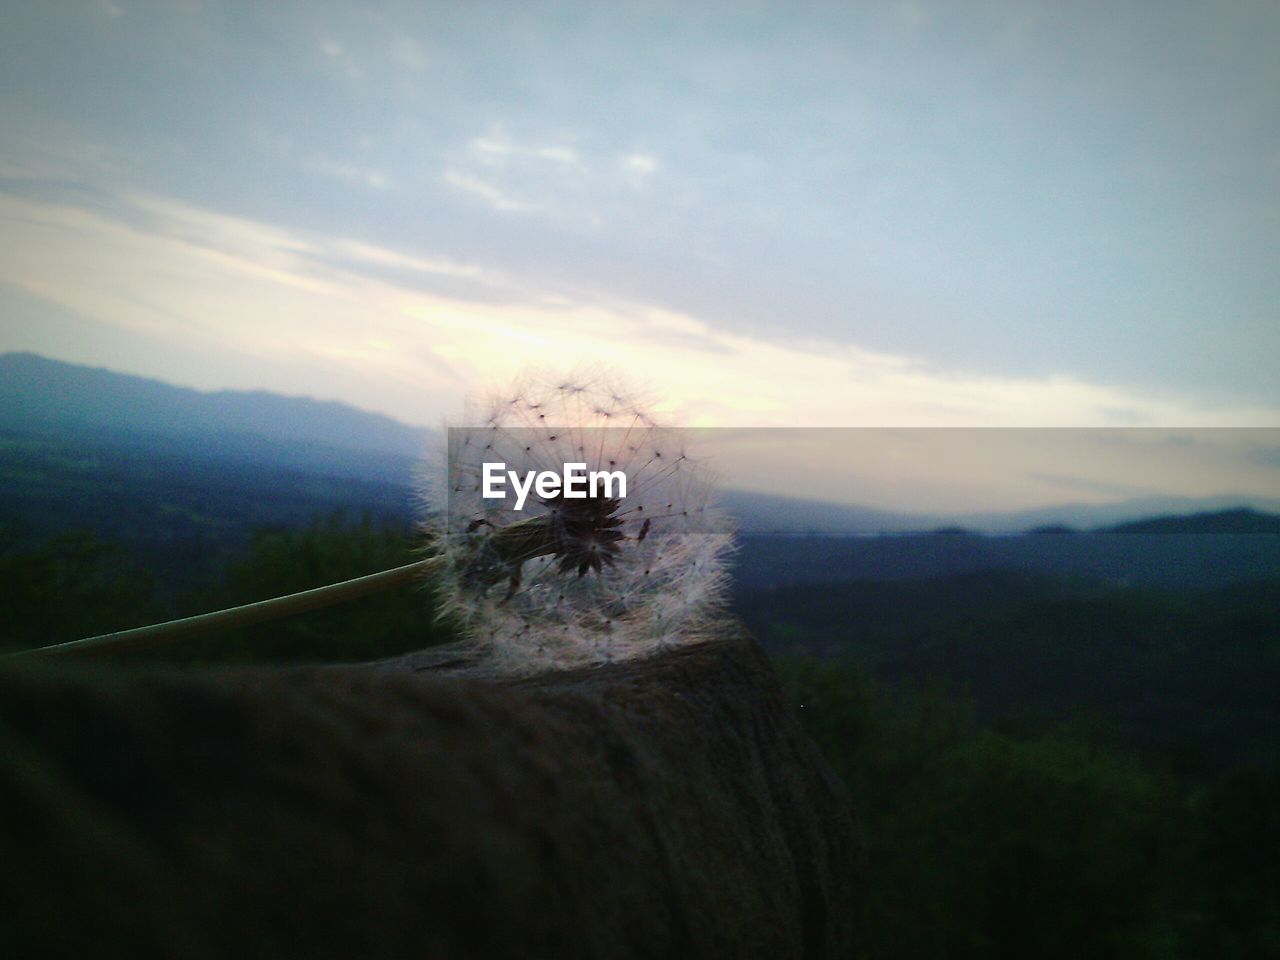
[1223, 521]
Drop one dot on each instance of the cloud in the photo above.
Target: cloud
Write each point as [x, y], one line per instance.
[496, 149]
[639, 164]
[408, 54]
[566, 186]
[183, 274]
[974, 197]
[637, 168]
[351, 173]
[487, 192]
[492, 150]
[337, 54]
[562, 155]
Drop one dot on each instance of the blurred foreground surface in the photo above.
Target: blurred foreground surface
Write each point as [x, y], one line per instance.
[670, 807]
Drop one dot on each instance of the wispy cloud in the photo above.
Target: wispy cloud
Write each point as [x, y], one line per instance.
[566, 185]
[497, 149]
[408, 54]
[487, 192]
[639, 164]
[336, 53]
[180, 273]
[351, 173]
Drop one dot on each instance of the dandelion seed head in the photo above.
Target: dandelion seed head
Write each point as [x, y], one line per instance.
[565, 582]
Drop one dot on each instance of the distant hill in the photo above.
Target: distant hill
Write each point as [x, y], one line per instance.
[36, 392]
[1100, 516]
[770, 513]
[1175, 560]
[1222, 521]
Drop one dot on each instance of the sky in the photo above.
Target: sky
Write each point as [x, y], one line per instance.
[771, 214]
[980, 476]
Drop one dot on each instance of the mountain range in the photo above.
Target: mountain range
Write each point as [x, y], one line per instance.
[39, 392]
[44, 397]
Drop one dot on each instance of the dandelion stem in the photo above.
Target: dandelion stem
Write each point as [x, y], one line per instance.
[230, 619]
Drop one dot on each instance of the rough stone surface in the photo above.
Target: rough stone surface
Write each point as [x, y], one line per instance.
[670, 807]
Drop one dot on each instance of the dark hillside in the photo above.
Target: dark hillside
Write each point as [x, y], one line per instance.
[1240, 521]
[1189, 676]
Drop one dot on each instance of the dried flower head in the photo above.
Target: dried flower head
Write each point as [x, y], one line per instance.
[577, 580]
